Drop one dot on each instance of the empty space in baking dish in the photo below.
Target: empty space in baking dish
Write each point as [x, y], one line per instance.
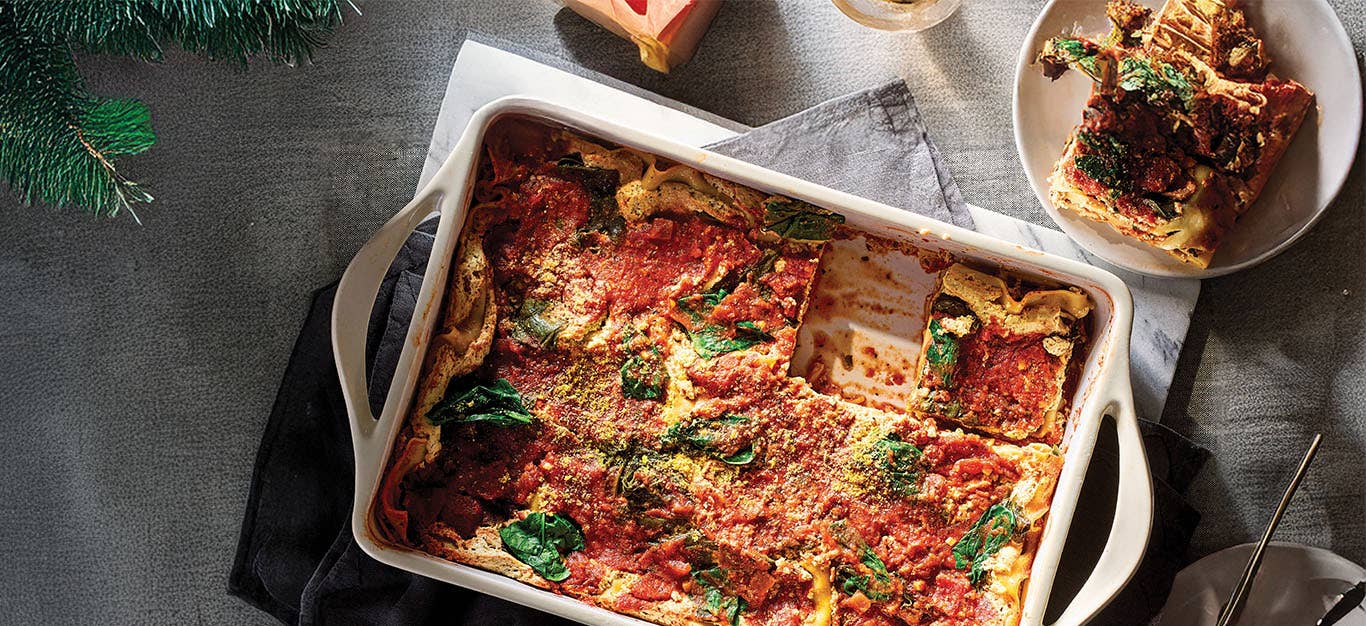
[861, 335]
[864, 323]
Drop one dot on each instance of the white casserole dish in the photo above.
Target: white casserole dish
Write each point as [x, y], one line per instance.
[1103, 390]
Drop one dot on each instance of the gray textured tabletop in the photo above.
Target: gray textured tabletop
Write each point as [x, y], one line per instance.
[140, 362]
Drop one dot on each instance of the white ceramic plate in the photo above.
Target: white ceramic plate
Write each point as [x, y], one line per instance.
[1306, 42]
[1296, 585]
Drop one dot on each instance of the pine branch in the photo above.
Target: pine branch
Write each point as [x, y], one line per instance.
[231, 30]
[58, 142]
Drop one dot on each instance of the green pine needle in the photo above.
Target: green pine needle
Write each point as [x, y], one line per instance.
[58, 142]
[118, 127]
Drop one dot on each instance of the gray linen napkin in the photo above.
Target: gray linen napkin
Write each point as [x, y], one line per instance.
[871, 144]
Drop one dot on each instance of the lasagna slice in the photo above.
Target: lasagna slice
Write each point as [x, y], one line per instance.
[999, 358]
[1183, 127]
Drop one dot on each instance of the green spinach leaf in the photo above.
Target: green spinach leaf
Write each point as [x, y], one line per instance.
[1165, 209]
[1104, 144]
[711, 577]
[869, 558]
[984, 538]
[604, 213]
[643, 377]
[951, 306]
[949, 410]
[1101, 170]
[802, 221]
[1107, 162]
[541, 541]
[1060, 53]
[599, 181]
[942, 354]
[873, 579]
[532, 326]
[1160, 82]
[715, 600]
[644, 477]
[698, 306]
[467, 400]
[900, 463]
[704, 435]
[767, 262]
[853, 583]
[743, 457]
[712, 341]
[877, 585]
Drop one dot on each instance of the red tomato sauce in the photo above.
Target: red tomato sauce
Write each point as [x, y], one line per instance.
[464, 490]
[1004, 379]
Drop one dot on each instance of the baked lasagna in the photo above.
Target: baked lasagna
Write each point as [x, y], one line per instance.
[606, 412]
[1183, 128]
[998, 357]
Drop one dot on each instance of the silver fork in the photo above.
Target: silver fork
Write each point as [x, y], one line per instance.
[1234, 607]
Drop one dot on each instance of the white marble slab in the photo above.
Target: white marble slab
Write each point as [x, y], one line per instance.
[485, 72]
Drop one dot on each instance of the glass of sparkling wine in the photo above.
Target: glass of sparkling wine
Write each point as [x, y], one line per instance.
[898, 15]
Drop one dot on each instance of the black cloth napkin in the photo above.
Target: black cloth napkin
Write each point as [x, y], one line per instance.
[1175, 461]
[296, 558]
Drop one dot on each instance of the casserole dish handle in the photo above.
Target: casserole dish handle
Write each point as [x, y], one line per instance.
[351, 308]
[1133, 521]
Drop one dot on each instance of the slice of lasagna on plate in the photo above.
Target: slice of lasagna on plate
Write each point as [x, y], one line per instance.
[1183, 128]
